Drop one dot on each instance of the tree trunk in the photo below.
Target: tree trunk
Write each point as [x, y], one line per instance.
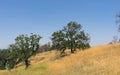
[72, 51]
[27, 63]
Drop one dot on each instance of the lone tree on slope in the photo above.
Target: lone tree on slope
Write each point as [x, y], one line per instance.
[71, 36]
[25, 46]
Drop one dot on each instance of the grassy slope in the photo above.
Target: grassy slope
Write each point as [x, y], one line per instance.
[101, 60]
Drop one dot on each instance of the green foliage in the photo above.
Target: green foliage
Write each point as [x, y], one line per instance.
[25, 46]
[71, 36]
[10, 64]
[4, 56]
[59, 41]
[2, 63]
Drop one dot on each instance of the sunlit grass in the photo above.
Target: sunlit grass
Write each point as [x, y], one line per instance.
[101, 60]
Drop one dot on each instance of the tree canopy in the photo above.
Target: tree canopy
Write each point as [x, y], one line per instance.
[24, 47]
[71, 36]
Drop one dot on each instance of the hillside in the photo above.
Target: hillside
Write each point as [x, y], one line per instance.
[100, 60]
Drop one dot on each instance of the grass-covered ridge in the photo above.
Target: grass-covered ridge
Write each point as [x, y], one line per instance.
[100, 60]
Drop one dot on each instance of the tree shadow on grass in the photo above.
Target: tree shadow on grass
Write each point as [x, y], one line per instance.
[59, 56]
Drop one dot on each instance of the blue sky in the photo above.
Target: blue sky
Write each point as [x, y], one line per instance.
[43, 17]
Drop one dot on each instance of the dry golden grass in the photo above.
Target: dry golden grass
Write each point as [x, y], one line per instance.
[101, 60]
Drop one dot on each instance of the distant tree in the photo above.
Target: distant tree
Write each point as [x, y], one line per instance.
[45, 47]
[115, 39]
[118, 21]
[25, 46]
[71, 36]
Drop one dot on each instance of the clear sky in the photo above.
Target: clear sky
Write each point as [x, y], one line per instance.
[43, 17]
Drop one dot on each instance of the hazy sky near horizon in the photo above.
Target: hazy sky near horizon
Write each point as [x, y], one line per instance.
[43, 17]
